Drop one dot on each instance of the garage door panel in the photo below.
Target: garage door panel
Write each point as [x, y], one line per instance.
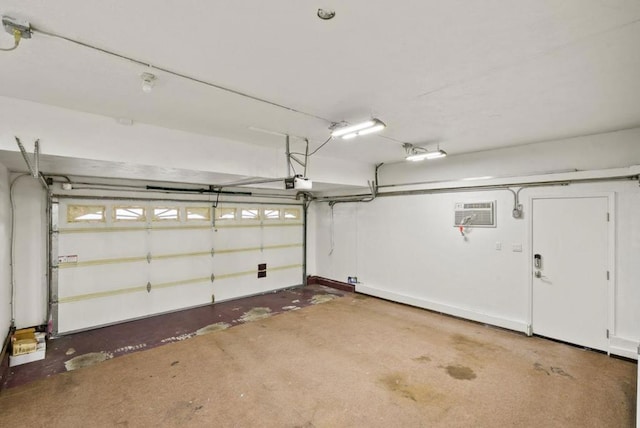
[281, 257]
[232, 288]
[101, 279]
[230, 262]
[283, 234]
[83, 314]
[103, 245]
[132, 262]
[237, 238]
[179, 241]
[180, 268]
[182, 296]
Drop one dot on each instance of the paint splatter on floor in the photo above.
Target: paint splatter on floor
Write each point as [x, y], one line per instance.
[255, 314]
[177, 338]
[212, 327]
[290, 308]
[86, 360]
[460, 372]
[130, 348]
[70, 351]
[322, 298]
[422, 359]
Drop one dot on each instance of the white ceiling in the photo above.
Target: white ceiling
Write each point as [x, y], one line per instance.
[468, 76]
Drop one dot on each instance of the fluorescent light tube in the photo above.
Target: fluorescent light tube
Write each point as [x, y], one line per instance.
[364, 128]
[417, 157]
[376, 128]
[353, 128]
[435, 155]
[486, 177]
[426, 155]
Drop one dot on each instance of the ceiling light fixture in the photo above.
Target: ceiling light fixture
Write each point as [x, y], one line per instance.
[351, 131]
[416, 154]
[326, 14]
[148, 82]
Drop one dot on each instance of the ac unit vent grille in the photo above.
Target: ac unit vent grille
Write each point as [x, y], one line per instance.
[475, 214]
[471, 206]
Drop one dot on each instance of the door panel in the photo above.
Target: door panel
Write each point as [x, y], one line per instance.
[570, 287]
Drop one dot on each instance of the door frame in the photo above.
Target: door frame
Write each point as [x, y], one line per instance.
[611, 252]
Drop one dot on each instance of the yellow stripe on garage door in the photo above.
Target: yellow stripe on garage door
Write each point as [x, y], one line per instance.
[172, 256]
[120, 291]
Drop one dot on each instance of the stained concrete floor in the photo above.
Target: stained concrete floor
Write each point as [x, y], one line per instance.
[351, 361]
[86, 348]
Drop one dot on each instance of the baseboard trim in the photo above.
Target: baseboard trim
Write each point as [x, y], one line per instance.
[624, 347]
[444, 308]
[338, 285]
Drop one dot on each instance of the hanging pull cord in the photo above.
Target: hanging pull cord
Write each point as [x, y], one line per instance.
[17, 36]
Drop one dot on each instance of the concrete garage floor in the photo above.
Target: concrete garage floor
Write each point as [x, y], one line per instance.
[83, 349]
[351, 361]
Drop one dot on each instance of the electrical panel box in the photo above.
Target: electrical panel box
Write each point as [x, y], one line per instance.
[475, 214]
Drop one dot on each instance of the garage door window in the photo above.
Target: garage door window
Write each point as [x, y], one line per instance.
[250, 214]
[198, 213]
[291, 214]
[81, 213]
[225, 213]
[129, 213]
[272, 214]
[166, 214]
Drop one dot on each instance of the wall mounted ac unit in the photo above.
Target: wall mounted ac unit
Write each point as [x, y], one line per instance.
[475, 214]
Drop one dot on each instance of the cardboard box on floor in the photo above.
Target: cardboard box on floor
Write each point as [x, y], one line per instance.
[26, 346]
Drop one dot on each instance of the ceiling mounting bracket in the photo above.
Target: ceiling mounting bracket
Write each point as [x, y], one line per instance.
[12, 25]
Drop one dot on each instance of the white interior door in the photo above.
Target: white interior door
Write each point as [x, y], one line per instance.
[570, 283]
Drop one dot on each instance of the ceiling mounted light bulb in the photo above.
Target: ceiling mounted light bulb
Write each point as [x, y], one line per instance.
[415, 154]
[363, 128]
[148, 82]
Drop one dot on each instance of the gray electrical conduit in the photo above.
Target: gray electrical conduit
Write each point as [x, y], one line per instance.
[460, 189]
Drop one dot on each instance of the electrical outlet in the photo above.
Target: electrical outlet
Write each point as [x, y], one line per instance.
[352, 279]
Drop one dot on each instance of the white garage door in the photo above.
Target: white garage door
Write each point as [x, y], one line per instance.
[117, 260]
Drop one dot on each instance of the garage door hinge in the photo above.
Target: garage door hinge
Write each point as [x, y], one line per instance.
[607, 275]
[212, 252]
[148, 287]
[148, 257]
[213, 277]
[607, 333]
[608, 217]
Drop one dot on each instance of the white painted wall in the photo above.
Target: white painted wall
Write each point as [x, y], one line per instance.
[405, 248]
[31, 295]
[5, 261]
